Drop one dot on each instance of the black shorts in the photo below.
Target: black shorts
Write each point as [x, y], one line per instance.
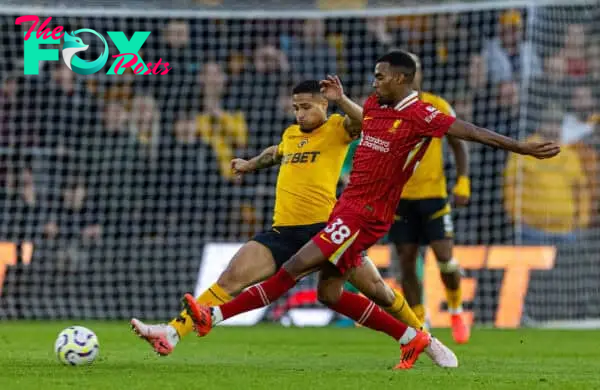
[421, 222]
[285, 241]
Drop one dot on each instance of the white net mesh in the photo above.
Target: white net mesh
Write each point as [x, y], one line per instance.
[119, 181]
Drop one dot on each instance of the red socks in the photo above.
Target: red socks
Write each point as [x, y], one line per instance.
[259, 295]
[351, 305]
[367, 313]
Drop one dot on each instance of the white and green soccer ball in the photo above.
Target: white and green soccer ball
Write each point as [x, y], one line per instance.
[76, 346]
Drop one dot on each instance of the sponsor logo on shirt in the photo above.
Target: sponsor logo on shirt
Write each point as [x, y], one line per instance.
[375, 143]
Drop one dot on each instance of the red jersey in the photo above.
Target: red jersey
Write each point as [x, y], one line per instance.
[393, 141]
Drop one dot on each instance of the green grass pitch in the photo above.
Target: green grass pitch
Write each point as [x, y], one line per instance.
[276, 358]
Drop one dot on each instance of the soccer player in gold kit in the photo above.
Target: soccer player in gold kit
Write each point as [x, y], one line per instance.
[423, 218]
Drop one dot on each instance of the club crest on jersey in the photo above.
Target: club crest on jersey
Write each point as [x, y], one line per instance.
[395, 126]
[303, 142]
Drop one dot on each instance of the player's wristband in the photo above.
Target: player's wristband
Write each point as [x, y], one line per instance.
[463, 187]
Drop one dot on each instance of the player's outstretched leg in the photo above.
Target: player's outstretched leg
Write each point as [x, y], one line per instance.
[369, 281]
[365, 312]
[451, 276]
[305, 261]
[251, 264]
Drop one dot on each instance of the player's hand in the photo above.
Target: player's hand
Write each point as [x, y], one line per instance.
[462, 191]
[240, 166]
[540, 150]
[332, 88]
[461, 201]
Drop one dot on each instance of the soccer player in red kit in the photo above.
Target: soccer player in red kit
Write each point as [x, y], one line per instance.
[396, 130]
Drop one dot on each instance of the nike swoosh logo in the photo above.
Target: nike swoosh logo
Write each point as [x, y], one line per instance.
[324, 238]
[367, 118]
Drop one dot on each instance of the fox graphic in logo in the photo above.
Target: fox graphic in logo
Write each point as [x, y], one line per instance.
[74, 45]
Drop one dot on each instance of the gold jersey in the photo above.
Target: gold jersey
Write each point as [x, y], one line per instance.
[429, 181]
[309, 172]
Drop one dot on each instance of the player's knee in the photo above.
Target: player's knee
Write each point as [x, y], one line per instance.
[230, 281]
[448, 267]
[328, 296]
[384, 295]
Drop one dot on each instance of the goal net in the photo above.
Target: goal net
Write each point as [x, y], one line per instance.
[116, 191]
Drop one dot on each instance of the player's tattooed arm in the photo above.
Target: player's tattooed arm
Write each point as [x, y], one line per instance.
[352, 127]
[269, 157]
[470, 132]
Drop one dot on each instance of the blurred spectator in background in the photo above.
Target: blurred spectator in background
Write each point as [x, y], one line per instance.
[74, 217]
[20, 207]
[65, 107]
[554, 195]
[464, 106]
[117, 89]
[477, 87]
[508, 56]
[116, 119]
[73, 225]
[364, 42]
[503, 111]
[583, 115]
[173, 91]
[309, 52]
[115, 167]
[144, 123]
[246, 222]
[192, 182]
[224, 131]
[440, 44]
[552, 86]
[236, 63]
[257, 91]
[574, 51]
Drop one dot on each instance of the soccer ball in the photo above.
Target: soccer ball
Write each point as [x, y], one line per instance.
[76, 346]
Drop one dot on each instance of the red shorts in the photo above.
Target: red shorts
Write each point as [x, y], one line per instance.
[347, 235]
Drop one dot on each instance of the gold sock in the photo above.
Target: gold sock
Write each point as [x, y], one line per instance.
[419, 311]
[214, 295]
[402, 312]
[454, 299]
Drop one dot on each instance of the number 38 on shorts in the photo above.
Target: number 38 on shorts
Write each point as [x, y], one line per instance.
[337, 231]
[336, 238]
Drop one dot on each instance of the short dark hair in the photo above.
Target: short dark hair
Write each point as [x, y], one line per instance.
[401, 61]
[307, 86]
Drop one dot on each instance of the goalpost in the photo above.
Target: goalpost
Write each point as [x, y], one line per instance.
[113, 186]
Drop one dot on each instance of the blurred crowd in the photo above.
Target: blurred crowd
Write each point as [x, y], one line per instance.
[100, 158]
